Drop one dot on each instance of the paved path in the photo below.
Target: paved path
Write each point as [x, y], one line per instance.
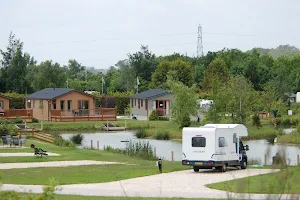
[54, 164]
[185, 184]
[25, 154]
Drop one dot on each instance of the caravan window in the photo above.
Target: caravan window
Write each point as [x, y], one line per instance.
[222, 142]
[234, 138]
[198, 142]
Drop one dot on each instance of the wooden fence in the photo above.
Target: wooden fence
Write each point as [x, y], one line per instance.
[12, 114]
[97, 114]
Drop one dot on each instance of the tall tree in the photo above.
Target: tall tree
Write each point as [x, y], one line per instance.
[143, 64]
[217, 70]
[49, 74]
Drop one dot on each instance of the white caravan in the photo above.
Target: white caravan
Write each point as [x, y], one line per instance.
[214, 146]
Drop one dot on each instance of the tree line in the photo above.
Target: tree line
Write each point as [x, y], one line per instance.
[230, 76]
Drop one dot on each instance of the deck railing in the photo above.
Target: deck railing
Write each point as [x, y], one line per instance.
[15, 113]
[97, 114]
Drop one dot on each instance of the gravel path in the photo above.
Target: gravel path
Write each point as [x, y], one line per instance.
[54, 164]
[185, 184]
[25, 154]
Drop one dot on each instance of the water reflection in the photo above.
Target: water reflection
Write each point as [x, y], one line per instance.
[258, 148]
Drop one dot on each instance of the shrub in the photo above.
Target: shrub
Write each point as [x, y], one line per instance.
[256, 121]
[185, 121]
[138, 149]
[162, 135]
[35, 120]
[59, 141]
[153, 116]
[141, 133]
[77, 139]
[19, 120]
[4, 129]
[163, 118]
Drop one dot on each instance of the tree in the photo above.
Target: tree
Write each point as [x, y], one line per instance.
[75, 70]
[48, 75]
[127, 75]
[216, 72]
[143, 64]
[184, 104]
[180, 70]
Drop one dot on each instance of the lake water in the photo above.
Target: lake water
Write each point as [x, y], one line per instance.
[257, 148]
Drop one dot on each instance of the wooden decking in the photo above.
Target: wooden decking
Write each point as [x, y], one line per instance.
[12, 114]
[98, 114]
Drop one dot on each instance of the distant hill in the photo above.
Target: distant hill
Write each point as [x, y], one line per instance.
[282, 50]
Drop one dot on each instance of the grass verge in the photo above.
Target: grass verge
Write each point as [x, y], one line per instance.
[79, 174]
[286, 181]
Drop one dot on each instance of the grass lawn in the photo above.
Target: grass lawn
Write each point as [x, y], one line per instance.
[285, 181]
[76, 197]
[79, 174]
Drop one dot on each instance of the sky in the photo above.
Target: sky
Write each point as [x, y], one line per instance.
[99, 33]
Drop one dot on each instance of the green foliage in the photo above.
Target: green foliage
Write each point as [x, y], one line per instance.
[154, 115]
[184, 104]
[35, 120]
[185, 121]
[77, 139]
[138, 149]
[19, 120]
[162, 135]
[256, 121]
[17, 100]
[141, 133]
[63, 142]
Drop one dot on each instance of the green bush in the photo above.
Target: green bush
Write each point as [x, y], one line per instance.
[19, 120]
[4, 130]
[59, 141]
[153, 115]
[163, 118]
[138, 149]
[185, 121]
[35, 120]
[77, 139]
[162, 135]
[256, 121]
[141, 133]
[17, 100]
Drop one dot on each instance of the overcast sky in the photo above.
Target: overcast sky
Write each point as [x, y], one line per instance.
[99, 33]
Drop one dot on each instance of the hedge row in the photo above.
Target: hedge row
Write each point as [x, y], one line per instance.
[17, 100]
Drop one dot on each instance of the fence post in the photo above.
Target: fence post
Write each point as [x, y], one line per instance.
[91, 144]
[298, 160]
[125, 124]
[107, 125]
[265, 159]
[172, 154]
[154, 152]
[97, 145]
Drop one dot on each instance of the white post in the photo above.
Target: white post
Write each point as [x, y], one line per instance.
[125, 125]
[107, 125]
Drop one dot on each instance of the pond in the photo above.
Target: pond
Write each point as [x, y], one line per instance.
[258, 148]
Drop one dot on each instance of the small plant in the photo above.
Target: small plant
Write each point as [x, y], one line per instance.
[162, 135]
[141, 133]
[256, 121]
[77, 139]
[19, 120]
[35, 120]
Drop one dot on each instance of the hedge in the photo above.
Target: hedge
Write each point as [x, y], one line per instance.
[17, 100]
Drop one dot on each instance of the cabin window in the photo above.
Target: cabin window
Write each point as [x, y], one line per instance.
[2, 104]
[234, 138]
[198, 142]
[132, 103]
[222, 142]
[142, 102]
[62, 105]
[28, 104]
[69, 105]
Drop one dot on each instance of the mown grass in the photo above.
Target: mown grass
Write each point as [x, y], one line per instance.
[79, 174]
[77, 197]
[286, 181]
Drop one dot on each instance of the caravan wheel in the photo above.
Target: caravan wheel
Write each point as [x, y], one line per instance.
[196, 169]
[243, 164]
[223, 168]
